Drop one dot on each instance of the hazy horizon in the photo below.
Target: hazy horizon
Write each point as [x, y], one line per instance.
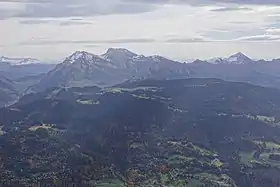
[189, 60]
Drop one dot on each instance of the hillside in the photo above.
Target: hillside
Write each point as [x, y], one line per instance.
[153, 132]
[8, 92]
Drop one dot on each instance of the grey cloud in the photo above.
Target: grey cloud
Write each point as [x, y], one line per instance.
[97, 43]
[66, 23]
[240, 22]
[76, 19]
[74, 8]
[203, 39]
[207, 2]
[259, 2]
[227, 9]
[34, 22]
[92, 45]
[231, 33]
[131, 40]
[60, 22]
[185, 40]
[259, 38]
[88, 42]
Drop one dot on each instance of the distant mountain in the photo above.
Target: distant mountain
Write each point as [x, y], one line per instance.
[118, 65]
[19, 61]
[239, 67]
[16, 74]
[238, 58]
[113, 67]
[14, 68]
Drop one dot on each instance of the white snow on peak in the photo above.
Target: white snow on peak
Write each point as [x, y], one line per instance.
[238, 58]
[138, 57]
[157, 58]
[78, 55]
[114, 57]
[19, 61]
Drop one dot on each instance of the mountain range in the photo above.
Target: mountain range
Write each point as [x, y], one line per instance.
[118, 65]
[112, 67]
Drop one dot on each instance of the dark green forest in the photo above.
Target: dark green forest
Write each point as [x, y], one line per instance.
[175, 133]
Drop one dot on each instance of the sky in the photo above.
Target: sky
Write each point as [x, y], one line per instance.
[177, 29]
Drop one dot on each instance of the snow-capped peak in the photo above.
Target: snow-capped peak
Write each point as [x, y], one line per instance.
[19, 61]
[239, 58]
[78, 55]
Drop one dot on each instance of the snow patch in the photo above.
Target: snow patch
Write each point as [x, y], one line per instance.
[78, 55]
[19, 61]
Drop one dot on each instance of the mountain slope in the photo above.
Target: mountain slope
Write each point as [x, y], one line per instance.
[8, 92]
[153, 132]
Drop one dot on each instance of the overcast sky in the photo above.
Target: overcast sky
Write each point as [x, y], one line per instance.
[179, 29]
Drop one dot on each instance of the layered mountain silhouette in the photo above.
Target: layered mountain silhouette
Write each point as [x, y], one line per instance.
[119, 65]
[15, 68]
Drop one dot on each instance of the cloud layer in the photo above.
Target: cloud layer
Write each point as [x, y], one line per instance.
[71, 8]
[175, 28]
